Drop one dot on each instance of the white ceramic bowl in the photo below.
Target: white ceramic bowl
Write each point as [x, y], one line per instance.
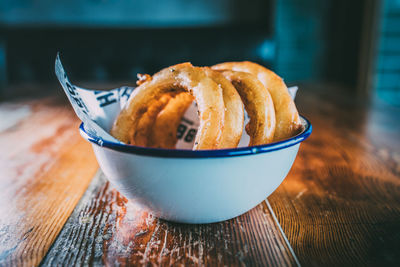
[197, 186]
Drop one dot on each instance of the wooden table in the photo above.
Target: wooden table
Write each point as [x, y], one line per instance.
[339, 205]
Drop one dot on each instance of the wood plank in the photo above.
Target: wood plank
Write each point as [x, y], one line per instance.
[340, 204]
[45, 167]
[107, 229]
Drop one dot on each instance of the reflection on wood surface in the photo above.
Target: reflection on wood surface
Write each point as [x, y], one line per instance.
[340, 204]
[45, 167]
[106, 228]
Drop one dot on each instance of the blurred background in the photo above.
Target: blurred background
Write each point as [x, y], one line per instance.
[354, 44]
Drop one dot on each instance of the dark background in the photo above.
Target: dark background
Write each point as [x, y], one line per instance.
[354, 44]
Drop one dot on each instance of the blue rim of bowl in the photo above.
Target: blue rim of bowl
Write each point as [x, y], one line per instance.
[185, 153]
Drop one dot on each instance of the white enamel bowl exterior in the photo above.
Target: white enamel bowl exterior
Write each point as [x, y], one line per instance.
[198, 188]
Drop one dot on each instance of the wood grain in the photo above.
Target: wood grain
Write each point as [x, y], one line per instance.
[45, 167]
[340, 204]
[107, 229]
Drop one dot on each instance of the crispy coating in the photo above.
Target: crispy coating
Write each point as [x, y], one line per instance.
[234, 113]
[165, 127]
[173, 80]
[142, 78]
[288, 121]
[145, 123]
[258, 104]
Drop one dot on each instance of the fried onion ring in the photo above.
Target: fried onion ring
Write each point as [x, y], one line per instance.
[173, 80]
[234, 113]
[164, 130]
[287, 118]
[145, 122]
[258, 104]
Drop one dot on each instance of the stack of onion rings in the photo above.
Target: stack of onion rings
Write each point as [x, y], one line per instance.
[156, 107]
[287, 118]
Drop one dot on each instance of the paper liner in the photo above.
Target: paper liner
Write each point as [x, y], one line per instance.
[98, 110]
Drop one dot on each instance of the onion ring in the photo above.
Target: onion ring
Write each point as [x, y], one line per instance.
[164, 130]
[287, 118]
[234, 113]
[173, 80]
[145, 122]
[258, 104]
